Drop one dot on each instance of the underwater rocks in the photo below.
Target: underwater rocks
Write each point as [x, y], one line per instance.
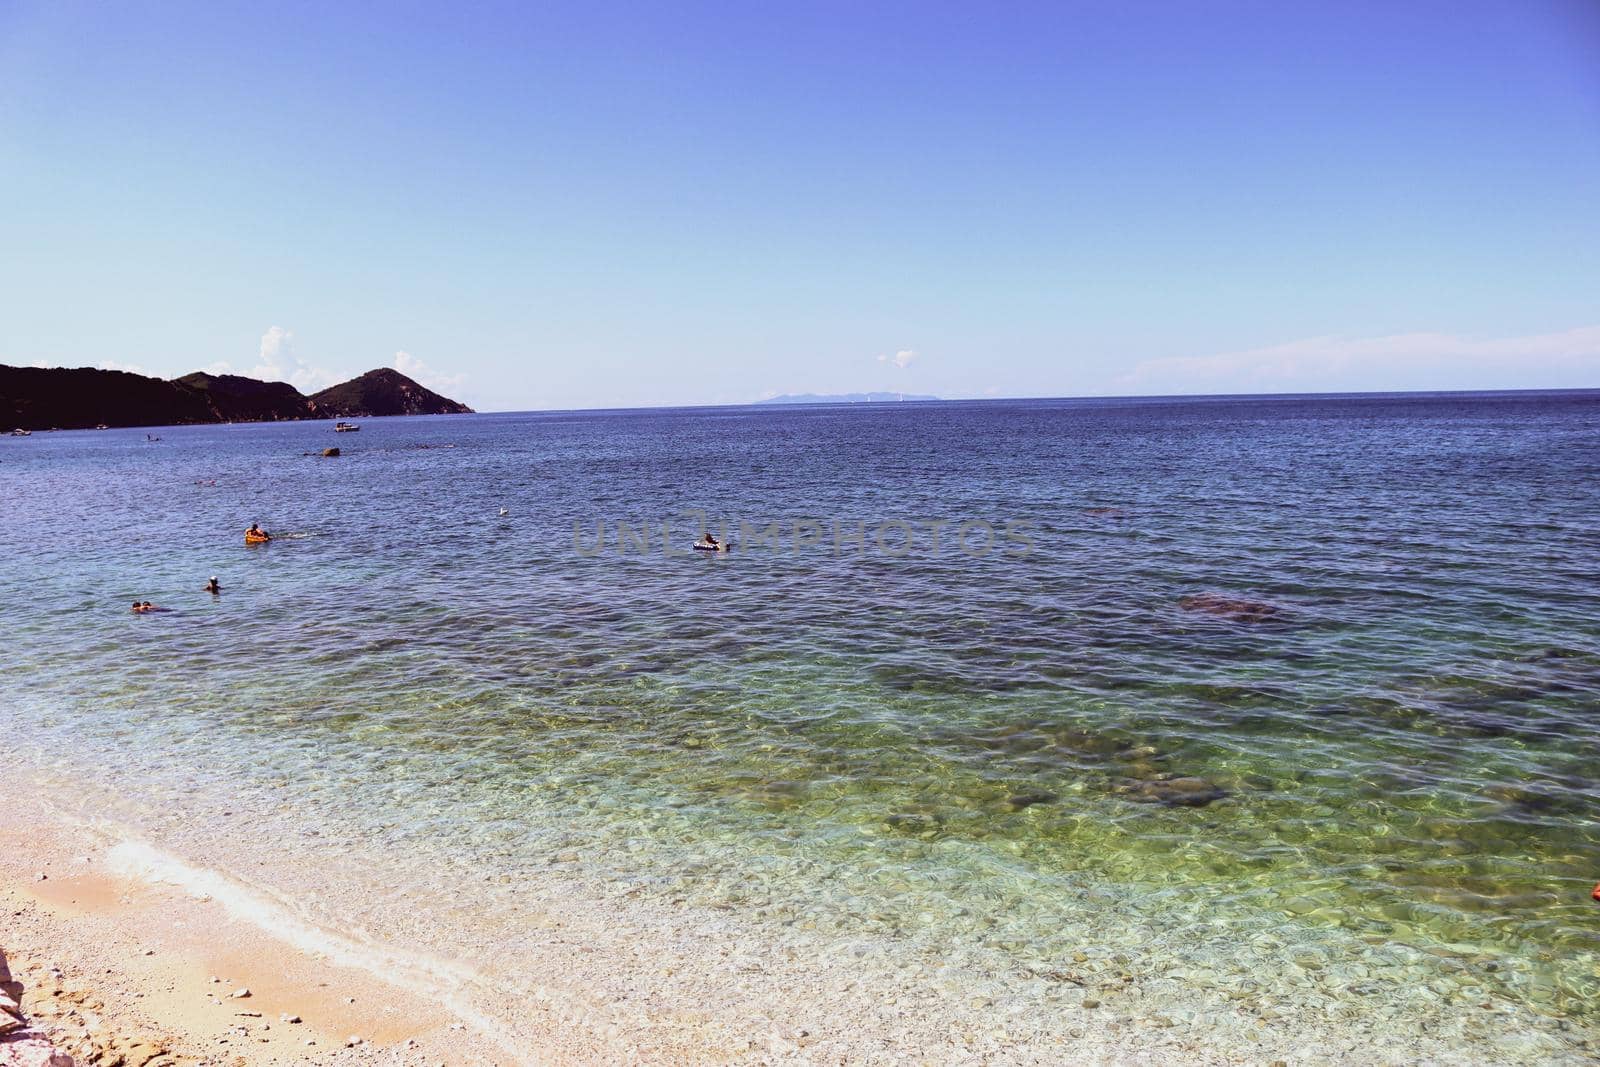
[1187, 792]
[1541, 799]
[1019, 801]
[1041, 737]
[920, 823]
[1235, 608]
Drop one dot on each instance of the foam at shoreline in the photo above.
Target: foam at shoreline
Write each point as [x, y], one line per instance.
[274, 914]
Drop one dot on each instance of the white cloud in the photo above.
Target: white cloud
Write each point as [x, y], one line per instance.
[131, 368]
[424, 375]
[277, 362]
[901, 359]
[1403, 360]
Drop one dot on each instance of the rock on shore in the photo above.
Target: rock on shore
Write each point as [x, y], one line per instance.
[21, 1045]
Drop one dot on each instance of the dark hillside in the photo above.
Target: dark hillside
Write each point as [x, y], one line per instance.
[382, 392]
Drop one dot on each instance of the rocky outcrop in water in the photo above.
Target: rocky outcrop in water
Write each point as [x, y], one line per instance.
[1229, 607]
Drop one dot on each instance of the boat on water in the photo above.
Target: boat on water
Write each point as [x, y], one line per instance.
[20, 432]
[345, 427]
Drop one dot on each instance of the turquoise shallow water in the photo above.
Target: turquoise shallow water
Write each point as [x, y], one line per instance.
[958, 750]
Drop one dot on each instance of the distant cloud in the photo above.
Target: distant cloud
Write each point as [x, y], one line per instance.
[277, 362]
[424, 375]
[1403, 360]
[901, 359]
[131, 368]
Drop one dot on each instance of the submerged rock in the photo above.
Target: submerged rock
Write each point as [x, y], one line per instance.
[915, 822]
[1229, 607]
[330, 453]
[1543, 799]
[1174, 792]
[1019, 801]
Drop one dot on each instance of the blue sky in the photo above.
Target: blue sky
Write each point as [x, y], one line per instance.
[635, 204]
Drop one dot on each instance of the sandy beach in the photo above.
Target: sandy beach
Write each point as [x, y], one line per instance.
[118, 970]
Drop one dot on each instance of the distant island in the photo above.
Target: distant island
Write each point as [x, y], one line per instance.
[61, 398]
[845, 398]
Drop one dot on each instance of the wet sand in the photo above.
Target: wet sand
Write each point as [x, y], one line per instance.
[117, 969]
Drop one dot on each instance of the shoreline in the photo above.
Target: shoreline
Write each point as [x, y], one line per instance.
[117, 965]
[148, 949]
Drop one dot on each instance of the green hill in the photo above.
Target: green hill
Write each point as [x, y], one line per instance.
[234, 398]
[44, 398]
[38, 398]
[382, 392]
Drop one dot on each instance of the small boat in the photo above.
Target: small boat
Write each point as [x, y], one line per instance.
[256, 539]
[345, 427]
[718, 546]
[151, 437]
[102, 426]
[20, 432]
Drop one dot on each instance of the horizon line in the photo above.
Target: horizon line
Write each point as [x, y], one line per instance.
[1355, 394]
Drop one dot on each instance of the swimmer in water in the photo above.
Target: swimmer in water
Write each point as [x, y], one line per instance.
[212, 586]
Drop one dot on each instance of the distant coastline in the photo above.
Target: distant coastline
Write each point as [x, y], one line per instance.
[62, 398]
[845, 398]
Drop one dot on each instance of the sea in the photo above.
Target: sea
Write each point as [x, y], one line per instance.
[1290, 701]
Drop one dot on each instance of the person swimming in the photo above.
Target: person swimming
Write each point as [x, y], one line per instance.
[212, 586]
[144, 607]
[707, 541]
[138, 607]
[256, 533]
